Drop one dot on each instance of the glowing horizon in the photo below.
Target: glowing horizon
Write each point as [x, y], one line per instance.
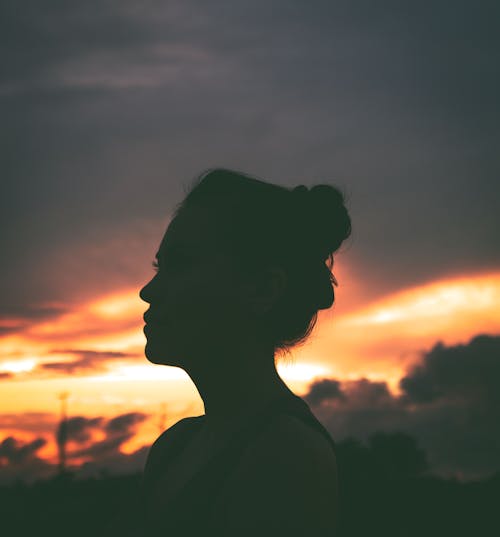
[104, 339]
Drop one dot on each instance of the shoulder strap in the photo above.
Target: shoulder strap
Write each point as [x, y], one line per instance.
[300, 409]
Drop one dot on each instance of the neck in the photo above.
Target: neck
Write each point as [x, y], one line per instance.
[232, 386]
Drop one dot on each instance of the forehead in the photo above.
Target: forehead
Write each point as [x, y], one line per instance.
[195, 229]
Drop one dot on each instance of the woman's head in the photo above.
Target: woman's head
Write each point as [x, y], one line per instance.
[243, 258]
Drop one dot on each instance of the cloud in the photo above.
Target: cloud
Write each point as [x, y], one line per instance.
[324, 390]
[16, 318]
[19, 459]
[33, 422]
[118, 430]
[449, 402]
[86, 361]
[469, 372]
[124, 423]
[35, 312]
[364, 393]
[17, 453]
[307, 91]
[79, 429]
[103, 457]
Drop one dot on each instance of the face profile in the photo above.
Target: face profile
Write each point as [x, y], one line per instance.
[195, 295]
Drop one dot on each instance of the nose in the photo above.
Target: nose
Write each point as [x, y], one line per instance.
[145, 294]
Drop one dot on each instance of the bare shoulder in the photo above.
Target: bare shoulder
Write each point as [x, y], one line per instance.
[157, 449]
[286, 479]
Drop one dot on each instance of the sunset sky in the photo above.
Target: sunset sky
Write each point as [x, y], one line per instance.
[110, 109]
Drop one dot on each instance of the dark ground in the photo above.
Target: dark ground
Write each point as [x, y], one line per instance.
[385, 490]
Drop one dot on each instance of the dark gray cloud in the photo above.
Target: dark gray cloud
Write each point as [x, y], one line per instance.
[86, 361]
[79, 429]
[109, 109]
[35, 312]
[124, 423]
[118, 430]
[19, 460]
[16, 318]
[324, 389]
[16, 452]
[449, 402]
[464, 372]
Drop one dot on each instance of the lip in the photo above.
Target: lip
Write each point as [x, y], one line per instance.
[151, 319]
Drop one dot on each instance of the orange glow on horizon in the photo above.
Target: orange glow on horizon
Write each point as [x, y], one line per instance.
[382, 339]
[450, 310]
[378, 341]
[464, 295]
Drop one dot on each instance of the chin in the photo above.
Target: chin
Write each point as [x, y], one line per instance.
[159, 356]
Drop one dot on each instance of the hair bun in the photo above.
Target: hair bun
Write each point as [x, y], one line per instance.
[323, 198]
[321, 221]
[298, 228]
[300, 190]
[302, 201]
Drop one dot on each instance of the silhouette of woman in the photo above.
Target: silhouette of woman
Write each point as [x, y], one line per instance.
[242, 271]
